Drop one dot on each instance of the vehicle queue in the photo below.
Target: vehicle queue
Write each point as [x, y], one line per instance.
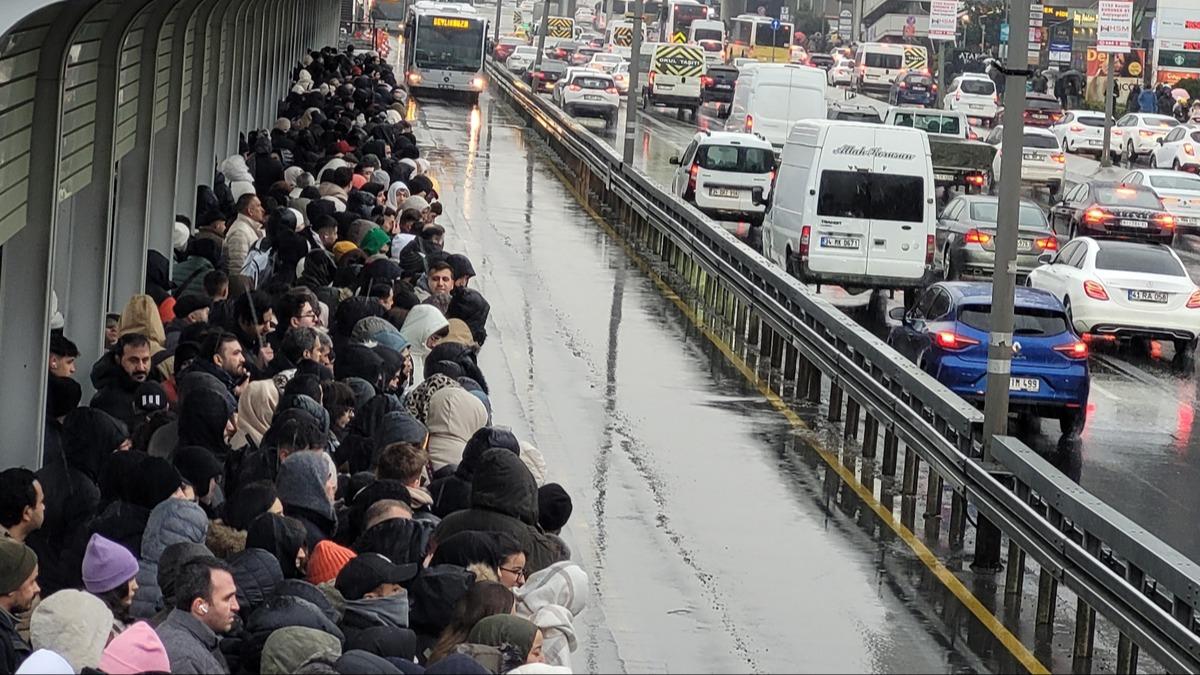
[839, 193]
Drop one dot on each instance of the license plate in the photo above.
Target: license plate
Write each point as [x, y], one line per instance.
[943, 176]
[589, 97]
[722, 86]
[1148, 296]
[724, 192]
[445, 86]
[1140, 224]
[841, 242]
[1093, 141]
[1030, 384]
[917, 87]
[1030, 156]
[1024, 245]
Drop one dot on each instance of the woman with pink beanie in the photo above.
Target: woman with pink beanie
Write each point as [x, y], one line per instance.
[137, 650]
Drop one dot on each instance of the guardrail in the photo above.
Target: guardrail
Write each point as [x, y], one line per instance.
[1144, 588]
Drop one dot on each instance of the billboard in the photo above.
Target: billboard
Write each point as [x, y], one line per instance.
[1129, 69]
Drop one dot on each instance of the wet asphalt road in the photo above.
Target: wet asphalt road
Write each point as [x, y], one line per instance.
[1140, 450]
[710, 547]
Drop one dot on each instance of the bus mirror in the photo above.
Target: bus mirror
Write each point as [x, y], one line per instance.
[674, 159]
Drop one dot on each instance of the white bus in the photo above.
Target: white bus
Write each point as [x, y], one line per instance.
[444, 48]
[677, 17]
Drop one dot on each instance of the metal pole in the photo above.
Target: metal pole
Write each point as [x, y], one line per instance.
[496, 33]
[635, 68]
[941, 76]
[537, 58]
[608, 19]
[773, 41]
[1106, 154]
[995, 405]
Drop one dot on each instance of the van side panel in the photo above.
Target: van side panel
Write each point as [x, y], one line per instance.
[791, 198]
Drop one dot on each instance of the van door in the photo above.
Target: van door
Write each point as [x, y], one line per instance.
[901, 215]
[840, 222]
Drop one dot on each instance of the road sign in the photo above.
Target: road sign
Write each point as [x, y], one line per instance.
[784, 13]
[1061, 41]
[774, 24]
[943, 19]
[1004, 33]
[844, 23]
[1036, 12]
[1115, 25]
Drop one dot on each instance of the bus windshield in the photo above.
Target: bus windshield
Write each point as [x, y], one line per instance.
[765, 37]
[449, 43]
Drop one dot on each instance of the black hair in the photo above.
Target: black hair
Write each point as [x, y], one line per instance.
[194, 580]
[251, 307]
[16, 494]
[214, 281]
[324, 223]
[249, 502]
[288, 306]
[135, 340]
[507, 544]
[212, 343]
[300, 434]
[342, 176]
[439, 265]
[61, 346]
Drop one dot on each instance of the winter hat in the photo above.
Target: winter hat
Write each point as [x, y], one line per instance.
[460, 265]
[136, 650]
[179, 236]
[192, 302]
[341, 248]
[107, 565]
[289, 648]
[74, 624]
[554, 507]
[327, 561]
[198, 466]
[374, 240]
[368, 571]
[16, 564]
[157, 480]
[45, 662]
[150, 397]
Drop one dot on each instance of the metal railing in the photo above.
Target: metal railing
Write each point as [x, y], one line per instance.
[1147, 590]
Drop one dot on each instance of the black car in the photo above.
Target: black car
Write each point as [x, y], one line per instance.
[718, 83]
[545, 76]
[913, 87]
[1113, 210]
[822, 61]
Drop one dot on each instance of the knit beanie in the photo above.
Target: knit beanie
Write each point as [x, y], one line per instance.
[326, 561]
[554, 507]
[374, 241]
[16, 564]
[107, 565]
[137, 650]
[341, 248]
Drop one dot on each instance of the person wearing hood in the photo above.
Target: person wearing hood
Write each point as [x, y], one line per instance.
[452, 492]
[203, 256]
[374, 590]
[284, 538]
[110, 573]
[72, 624]
[504, 499]
[290, 648]
[307, 483]
[18, 589]
[472, 308]
[150, 481]
[245, 231]
[256, 573]
[423, 329]
[552, 599]
[171, 522]
[256, 408]
[117, 375]
[358, 449]
[200, 470]
[505, 629]
[454, 416]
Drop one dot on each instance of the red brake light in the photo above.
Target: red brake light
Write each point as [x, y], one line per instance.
[1075, 350]
[805, 239]
[953, 341]
[575, 87]
[1146, 134]
[610, 90]
[1166, 221]
[930, 243]
[749, 122]
[1059, 157]
[958, 96]
[1095, 290]
[1077, 128]
[1095, 215]
[1047, 244]
[706, 81]
[977, 237]
[904, 85]
[1194, 301]
[975, 179]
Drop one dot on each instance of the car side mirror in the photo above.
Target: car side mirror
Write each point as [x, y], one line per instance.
[756, 196]
[674, 159]
[898, 314]
[1159, 140]
[1046, 259]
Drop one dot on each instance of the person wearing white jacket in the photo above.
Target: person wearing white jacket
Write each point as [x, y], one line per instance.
[551, 599]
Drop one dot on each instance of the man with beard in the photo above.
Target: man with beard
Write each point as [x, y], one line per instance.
[117, 375]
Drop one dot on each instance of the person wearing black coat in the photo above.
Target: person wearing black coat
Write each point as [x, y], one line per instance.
[470, 306]
[358, 448]
[399, 539]
[152, 480]
[280, 611]
[256, 572]
[284, 538]
[452, 492]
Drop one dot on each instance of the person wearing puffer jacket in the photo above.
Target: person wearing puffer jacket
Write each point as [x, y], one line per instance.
[551, 599]
[171, 522]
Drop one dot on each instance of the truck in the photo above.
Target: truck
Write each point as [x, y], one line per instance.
[958, 161]
[675, 77]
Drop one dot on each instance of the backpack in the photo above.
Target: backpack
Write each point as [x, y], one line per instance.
[259, 263]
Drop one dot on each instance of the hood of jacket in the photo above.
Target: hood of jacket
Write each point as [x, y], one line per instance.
[371, 612]
[280, 611]
[455, 414]
[359, 361]
[503, 484]
[107, 373]
[279, 535]
[421, 323]
[396, 427]
[141, 316]
[365, 663]
[90, 437]
[171, 522]
[563, 584]
[256, 407]
[73, 624]
[301, 482]
[433, 596]
[291, 647]
[400, 539]
[256, 573]
[235, 168]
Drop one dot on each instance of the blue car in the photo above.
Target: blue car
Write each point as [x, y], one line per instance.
[946, 334]
[913, 87]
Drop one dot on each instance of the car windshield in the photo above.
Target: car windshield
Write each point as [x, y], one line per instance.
[1030, 215]
[853, 194]
[1040, 141]
[1126, 196]
[707, 34]
[1138, 258]
[736, 159]
[589, 82]
[977, 87]
[1165, 122]
[1090, 120]
[1180, 182]
[1026, 320]
[879, 60]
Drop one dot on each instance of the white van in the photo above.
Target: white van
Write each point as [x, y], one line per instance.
[853, 206]
[771, 96]
[878, 64]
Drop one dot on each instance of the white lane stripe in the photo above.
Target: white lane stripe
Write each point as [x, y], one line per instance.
[1106, 393]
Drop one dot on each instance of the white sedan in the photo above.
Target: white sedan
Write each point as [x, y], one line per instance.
[605, 63]
[1042, 158]
[842, 72]
[1083, 131]
[1139, 133]
[1179, 192]
[1178, 150]
[521, 59]
[1123, 289]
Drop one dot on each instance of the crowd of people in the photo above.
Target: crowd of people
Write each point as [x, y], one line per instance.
[290, 462]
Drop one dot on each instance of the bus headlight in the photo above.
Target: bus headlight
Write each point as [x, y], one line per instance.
[477, 83]
[414, 78]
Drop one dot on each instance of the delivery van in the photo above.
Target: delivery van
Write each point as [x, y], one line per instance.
[853, 206]
[770, 97]
[674, 80]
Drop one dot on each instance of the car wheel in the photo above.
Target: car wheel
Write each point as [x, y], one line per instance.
[1130, 155]
[1175, 165]
[1185, 353]
[1071, 422]
[949, 269]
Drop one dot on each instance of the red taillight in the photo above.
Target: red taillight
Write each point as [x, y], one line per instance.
[904, 85]
[1194, 301]
[749, 123]
[1145, 134]
[651, 78]
[930, 242]
[976, 179]
[1166, 221]
[953, 341]
[1075, 350]
[1059, 157]
[692, 173]
[540, 75]
[611, 90]
[1077, 128]
[1189, 149]
[996, 99]
[1056, 116]
[575, 87]
[706, 81]
[1095, 290]
[1047, 244]
[805, 238]
[1095, 215]
[958, 96]
[977, 237]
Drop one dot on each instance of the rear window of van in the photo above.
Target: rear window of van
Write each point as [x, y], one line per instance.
[855, 194]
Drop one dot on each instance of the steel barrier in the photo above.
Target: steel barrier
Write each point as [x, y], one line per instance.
[805, 346]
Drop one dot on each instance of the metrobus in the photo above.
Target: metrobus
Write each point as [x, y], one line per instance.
[751, 36]
[650, 8]
[676, 19]
[444, 48]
